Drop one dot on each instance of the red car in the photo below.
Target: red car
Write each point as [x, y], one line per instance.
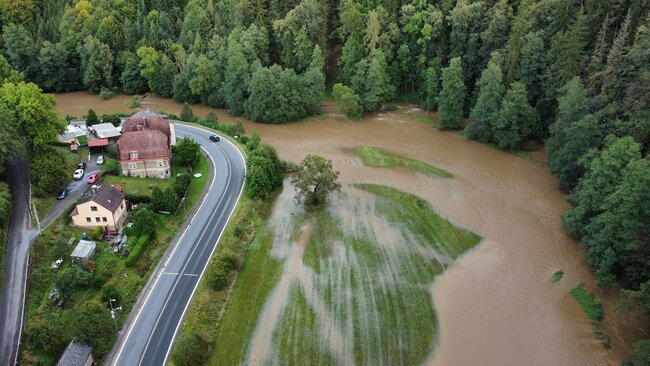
[93, 178]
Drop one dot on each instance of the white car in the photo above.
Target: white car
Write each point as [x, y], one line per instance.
[100, 160]
[78, 174]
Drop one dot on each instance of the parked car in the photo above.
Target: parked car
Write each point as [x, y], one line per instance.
[78, 174]
[93, 178]
[100, 160]
[214, 138]
[81, 165]
[63, 194]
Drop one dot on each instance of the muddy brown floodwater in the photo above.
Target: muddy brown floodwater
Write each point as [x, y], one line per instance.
[496, 305]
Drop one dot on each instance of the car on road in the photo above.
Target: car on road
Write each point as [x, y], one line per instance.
[63, 194]
[78, 174]
[214, 138]
[81, 165]
[93, 178]
[100, 160]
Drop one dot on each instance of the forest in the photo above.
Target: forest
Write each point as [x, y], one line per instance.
[570, 75]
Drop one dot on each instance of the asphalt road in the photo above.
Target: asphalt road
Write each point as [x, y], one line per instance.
[149, 335]
[11, 307]
[19, 239]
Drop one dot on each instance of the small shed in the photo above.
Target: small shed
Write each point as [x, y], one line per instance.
[97, 145]
[76, 354]
[84, 250]
[106, 131]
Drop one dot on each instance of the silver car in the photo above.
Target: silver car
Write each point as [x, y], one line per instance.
[100, 160]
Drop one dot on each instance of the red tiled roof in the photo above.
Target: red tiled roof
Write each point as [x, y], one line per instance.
[149, 144]
[100, 142]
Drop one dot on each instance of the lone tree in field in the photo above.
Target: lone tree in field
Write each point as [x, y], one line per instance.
[315, 180]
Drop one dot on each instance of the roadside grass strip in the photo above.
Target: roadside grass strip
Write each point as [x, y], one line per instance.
[348, 284]
[374, 157]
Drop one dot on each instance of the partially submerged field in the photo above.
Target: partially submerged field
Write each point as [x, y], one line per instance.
[347, 284]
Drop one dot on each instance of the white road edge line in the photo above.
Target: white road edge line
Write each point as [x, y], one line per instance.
[135, 320]
[211, 254]
[204, 231]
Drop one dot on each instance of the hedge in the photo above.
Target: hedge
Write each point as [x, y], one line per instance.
[137, 251]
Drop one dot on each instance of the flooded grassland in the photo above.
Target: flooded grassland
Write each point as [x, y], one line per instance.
[360, 285]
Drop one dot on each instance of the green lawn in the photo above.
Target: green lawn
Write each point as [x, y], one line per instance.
[49, 328]
[378, 158]
[138, 186]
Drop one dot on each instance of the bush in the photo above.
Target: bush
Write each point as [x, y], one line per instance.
[144, 222]
[186, 152]
[348, 102]
[137, 251]
[212, 117]
[97, 233]
[589, 303]
[106, 94]
[91, 118]
[186, 113]
[218, 274]
[191, 350]
[135, 101]
[48, 170]
[158, 199]
[182, 183]
[113, 119]
[137, 198]
[171, 199]
[111, 166]
[110, 291]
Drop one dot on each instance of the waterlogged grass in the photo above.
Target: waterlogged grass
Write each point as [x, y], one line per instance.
[589, 303]
[555, 277]
[300, 319]
[417, 215]
[380, 159]
[429, 120]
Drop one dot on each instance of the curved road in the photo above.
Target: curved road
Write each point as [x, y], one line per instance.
[150, 332]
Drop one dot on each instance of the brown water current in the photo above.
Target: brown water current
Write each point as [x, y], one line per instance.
[495, 305]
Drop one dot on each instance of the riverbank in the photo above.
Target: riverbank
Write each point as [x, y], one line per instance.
[496, 300]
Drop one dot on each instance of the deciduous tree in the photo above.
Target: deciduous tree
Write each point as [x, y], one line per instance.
[315, 180]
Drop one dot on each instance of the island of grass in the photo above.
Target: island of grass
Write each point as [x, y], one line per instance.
[589, 303]
[377, 158]
[357, 285]
[72, 301]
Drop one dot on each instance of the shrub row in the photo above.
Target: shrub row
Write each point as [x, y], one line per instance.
[137, 251]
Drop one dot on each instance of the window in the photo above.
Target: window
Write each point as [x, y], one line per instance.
[134, 154]
[97, 219]
[133, 165]
[88, 219]
[160, 164]
[122, 205]
[104, 219]
[93, 208]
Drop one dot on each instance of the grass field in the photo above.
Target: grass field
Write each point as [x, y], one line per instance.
[377, 158]
[48, 328]
[350, 288]
[429, 120]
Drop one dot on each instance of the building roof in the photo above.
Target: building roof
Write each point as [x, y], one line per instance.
[146, 120]
[149, 144]
[96, 143]
[75, 354]
[71, 131]
[84, 249]
[106, 130]
[107, 196]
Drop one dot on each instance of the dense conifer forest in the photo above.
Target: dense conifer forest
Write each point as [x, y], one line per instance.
[571, 75]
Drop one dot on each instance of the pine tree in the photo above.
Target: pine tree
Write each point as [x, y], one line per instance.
[452, 96]
[314, 80]
[490, 94]
[516, 120]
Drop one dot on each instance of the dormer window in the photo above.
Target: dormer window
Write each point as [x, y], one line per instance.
[134, 154]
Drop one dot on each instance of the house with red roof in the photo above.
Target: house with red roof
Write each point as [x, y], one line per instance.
[144, 149]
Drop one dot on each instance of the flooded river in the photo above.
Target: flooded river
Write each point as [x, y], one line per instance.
[496, 305]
